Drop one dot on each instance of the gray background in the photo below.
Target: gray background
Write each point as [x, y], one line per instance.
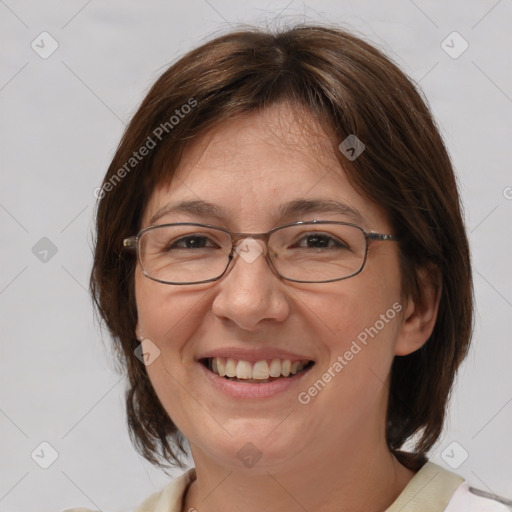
[62, 118]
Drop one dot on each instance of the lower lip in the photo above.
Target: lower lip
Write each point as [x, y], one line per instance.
[236, 389]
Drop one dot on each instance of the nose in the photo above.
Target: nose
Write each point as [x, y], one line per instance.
[250, 293]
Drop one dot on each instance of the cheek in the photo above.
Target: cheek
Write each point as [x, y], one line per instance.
[357, 320]
[348, 308]
[168, 315]
[359, 331]
[349, 391]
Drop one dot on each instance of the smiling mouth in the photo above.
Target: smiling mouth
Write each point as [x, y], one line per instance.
[259, 372]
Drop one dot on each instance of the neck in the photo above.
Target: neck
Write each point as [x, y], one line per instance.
[352, 479]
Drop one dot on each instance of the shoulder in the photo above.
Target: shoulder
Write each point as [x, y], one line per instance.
[468, 499]
[169, 499]
[434, 489]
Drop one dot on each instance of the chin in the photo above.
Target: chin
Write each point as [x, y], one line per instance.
[255, 450]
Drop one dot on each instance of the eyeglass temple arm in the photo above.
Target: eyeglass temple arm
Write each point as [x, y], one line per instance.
[380, 236]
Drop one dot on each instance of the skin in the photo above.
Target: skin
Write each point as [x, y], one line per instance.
[331, 453]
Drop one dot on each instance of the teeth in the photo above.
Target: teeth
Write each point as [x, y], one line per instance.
[230, 368]
[261, 370]
[275, 368]
[244, 370]
[219, 362]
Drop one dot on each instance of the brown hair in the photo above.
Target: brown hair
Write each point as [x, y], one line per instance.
[351, 88]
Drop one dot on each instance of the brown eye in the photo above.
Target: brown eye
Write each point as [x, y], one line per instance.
[320, 241]
[192, 242]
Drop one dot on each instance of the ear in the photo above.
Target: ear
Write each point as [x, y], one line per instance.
[420, 313]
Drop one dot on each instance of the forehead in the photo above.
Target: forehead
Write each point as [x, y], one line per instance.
[252, 165]
[272, 142]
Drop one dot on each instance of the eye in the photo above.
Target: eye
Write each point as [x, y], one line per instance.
[191, 242]
[320, 241]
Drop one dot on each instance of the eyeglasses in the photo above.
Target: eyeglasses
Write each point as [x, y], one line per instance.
[304, 252]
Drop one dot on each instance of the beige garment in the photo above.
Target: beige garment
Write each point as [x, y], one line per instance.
[430, 490]
[170, 499]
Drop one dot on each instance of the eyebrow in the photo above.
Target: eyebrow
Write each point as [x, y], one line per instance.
[304, 206]
[287, 210]
[196, 207]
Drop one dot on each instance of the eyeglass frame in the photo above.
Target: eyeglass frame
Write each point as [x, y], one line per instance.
[132, 243]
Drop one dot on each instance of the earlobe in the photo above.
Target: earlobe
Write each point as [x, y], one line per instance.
[420, 312]
[138, 333]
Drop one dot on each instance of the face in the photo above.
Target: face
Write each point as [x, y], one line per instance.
[252, 169]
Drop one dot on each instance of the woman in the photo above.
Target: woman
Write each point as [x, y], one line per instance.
[282, 263]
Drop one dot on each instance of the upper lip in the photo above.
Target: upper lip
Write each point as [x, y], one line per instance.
[253, 355]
